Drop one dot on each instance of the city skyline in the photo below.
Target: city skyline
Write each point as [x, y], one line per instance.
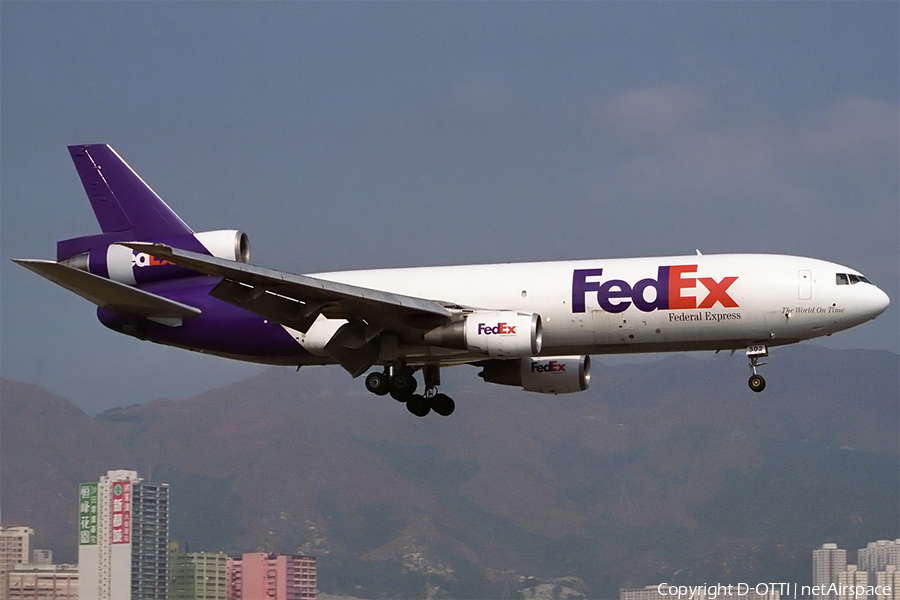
[210, 576]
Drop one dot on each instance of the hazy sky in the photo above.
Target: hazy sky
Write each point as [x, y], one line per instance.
[354, 135]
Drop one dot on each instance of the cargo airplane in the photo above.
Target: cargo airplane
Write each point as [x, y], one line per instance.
[529, 325]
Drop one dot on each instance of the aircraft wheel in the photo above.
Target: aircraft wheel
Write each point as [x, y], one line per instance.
[403, 385]
[418, 405]
[443, 405]
[378, 383]
[757, 383]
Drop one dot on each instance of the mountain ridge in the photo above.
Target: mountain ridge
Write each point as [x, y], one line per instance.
[670, 469]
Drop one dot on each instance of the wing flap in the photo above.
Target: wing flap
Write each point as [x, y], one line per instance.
[111, 295]
[294, 314]
[266, 292]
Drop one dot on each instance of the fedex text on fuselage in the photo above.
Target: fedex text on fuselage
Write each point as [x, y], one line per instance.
[672, 290]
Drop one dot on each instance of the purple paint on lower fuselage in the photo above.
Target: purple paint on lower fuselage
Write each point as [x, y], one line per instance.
[221, 328]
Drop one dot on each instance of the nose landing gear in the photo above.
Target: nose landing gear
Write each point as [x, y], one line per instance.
[754, 353]
[757, 383]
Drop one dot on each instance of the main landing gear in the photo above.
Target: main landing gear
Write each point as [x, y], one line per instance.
[754, 353]
[400, 383]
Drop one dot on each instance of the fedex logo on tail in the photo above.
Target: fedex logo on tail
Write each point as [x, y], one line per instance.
[498, 329]
[673, 290]
[142, 259]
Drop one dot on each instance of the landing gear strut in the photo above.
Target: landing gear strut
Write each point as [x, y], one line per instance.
[754, 353]
[400, 383]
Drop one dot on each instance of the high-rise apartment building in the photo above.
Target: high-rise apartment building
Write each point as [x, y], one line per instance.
[197, 575]
[828, 561]
[15, 548]
[877, 555]
[849, 583]
[272, 576]
[123, 537]
[886, 581]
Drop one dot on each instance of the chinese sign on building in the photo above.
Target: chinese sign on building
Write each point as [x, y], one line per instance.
[87, 514]
[121, 512]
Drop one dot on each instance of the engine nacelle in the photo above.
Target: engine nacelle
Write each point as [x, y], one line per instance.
[547, 375]
[130, 267]
[498, 334]
[230, 244]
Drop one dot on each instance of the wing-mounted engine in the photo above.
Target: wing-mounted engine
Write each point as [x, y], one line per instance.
[124, 265]
[547, 375]
[498, 334]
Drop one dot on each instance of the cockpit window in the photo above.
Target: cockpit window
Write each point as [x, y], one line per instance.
[849, 279]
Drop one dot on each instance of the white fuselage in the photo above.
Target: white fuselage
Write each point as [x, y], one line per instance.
[655, 304]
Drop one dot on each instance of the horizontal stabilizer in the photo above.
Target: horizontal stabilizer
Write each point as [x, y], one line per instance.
[111, 295]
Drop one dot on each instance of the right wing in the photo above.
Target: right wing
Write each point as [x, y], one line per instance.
[111, 295]
[296, 301]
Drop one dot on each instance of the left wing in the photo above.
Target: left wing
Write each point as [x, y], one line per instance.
[296, 301]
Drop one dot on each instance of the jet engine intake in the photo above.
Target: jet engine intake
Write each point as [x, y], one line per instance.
[230, 244]
[547, 374]
[498, 334]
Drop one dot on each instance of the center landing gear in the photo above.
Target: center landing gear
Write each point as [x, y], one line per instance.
[754, 353]
[443, 405]
[400, 383]
[420, 405]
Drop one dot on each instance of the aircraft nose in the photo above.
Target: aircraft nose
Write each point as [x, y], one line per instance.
[878, 301]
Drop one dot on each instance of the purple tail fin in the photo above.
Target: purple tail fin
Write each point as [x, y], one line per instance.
[126, 208]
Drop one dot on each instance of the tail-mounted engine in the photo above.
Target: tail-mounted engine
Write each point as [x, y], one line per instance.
[498, 334]
[130, 267]
[547, 375]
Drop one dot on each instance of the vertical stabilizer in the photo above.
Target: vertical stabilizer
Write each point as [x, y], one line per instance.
[120, 198]
[126, 208]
